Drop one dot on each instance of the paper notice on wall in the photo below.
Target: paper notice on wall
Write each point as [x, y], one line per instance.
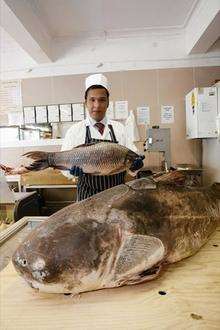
[110, 110]
[65, 112]
[53, 113]
[167, 114]
[41, 114]
[78, 111]
[29, 115]
[10, 96]
[121, 109]
[143, 115]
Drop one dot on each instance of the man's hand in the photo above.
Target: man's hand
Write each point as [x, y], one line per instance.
[137, 164]
[12, 171]
[76, 171]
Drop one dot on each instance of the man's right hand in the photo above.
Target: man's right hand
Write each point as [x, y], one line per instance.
[12, 171]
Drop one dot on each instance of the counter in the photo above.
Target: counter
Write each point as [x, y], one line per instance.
[30, 143]
[185, 296]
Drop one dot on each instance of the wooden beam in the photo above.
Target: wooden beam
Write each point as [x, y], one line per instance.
[25, 28]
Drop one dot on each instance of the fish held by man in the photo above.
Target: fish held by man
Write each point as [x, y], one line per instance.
[122, 236]
[99, 158]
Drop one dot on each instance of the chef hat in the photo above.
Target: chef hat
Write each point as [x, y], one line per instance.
[97, 79]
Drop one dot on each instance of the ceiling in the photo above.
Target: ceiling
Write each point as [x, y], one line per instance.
[69, 17]
[57, 36]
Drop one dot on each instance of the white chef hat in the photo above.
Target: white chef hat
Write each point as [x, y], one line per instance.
[97, 79]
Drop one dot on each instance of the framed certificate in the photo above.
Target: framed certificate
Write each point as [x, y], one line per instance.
[29, 115]
[41, 114]
[53, 113]
[65, 112]
[78, 111]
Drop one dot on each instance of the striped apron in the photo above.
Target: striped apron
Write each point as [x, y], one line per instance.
[88, 184]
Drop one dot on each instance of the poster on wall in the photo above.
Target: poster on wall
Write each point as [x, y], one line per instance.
[167, 114]
[143, 115]
[121, 109]
[53, 113]
[41, 114]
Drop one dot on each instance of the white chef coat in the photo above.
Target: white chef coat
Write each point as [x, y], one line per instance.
[76, 135]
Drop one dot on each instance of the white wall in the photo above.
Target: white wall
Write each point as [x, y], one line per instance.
[211, 160]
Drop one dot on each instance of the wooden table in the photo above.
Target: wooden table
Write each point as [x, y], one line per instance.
[192, 300]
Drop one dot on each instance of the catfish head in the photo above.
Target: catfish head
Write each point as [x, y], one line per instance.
[86, 256]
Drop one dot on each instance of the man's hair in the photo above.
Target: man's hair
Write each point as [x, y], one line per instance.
[96, 87]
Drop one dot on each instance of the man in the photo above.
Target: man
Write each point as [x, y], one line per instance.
[96, 127]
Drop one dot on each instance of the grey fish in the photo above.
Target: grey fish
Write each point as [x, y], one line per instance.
[122, 236]
[101, 158]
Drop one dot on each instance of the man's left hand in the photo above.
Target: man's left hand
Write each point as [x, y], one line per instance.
[137, 164]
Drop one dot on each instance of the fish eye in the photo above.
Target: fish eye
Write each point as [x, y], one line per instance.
[24, 262]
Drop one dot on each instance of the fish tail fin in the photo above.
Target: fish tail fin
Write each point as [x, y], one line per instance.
[41, 160]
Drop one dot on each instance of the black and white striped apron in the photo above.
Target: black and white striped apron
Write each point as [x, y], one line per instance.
[88, 184]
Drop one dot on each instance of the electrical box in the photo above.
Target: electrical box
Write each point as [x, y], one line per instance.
[201, 113]
[158, 140]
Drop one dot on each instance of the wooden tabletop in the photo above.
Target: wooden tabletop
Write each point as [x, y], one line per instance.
[191, 300]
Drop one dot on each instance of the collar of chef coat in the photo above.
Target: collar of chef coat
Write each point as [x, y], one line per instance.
[91, 122]
[94, 131]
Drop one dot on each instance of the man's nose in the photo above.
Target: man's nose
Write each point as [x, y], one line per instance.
[96, 103]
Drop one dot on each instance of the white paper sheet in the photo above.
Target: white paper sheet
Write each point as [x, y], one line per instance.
[29, 115]
[143, 115]
[10, 96]
[167, 114]
[41, 114]
[121, 109]
[65, 112]
[53, 113]
[78, 111]
[110, 110]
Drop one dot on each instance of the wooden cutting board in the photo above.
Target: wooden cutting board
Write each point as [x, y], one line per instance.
[192, 300]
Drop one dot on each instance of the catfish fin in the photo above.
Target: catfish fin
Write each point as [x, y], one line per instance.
[139, 259]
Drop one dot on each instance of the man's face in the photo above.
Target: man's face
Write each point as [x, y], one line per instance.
[97, 103]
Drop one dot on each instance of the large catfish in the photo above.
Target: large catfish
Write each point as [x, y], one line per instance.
[122, 236]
